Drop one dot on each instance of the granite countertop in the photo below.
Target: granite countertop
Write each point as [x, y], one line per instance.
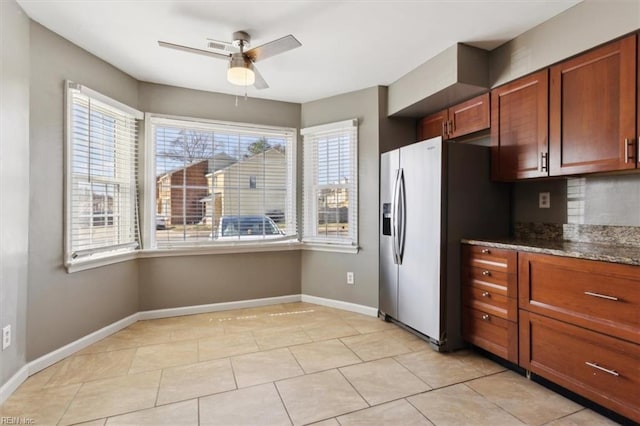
[629, 255]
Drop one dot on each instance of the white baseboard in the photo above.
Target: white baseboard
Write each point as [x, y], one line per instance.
[12, 384]
[52, 357]
[215, 307]
[59, 354]
[339, 304]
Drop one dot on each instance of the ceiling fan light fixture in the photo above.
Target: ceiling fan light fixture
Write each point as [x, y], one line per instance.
[240, 71]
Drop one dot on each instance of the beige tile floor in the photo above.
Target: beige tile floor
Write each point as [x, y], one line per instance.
[284, 364]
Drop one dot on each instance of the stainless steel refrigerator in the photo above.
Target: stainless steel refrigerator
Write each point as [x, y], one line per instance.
[432, 194]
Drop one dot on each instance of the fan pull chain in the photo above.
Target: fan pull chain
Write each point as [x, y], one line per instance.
[236, 101]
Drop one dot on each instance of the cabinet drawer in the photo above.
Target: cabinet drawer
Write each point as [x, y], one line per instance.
[604, 297]
[491, 333]
[489, 258]
[498, 279]
[601, 368]
[491, 302]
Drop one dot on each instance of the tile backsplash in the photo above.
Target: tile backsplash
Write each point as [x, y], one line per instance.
[595, 200]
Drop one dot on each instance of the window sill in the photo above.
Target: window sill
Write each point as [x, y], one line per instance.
[110, 259]
[98, 261]
[221, 249]
[334, 248]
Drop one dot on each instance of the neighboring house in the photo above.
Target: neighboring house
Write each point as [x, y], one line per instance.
[179, 192]
[253, 186]
[333, 204]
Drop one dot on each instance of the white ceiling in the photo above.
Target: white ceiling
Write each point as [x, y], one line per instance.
[346, 45]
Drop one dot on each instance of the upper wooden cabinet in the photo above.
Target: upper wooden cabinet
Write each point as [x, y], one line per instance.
[593, 111]
[462, 119]
[433, 126]
[469, 117]
[519, 128]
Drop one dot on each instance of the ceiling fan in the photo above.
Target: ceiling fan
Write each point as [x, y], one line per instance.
[242, 70]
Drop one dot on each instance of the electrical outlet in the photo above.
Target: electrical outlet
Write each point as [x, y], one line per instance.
[544, 200]
[350, 278]
[6, 337]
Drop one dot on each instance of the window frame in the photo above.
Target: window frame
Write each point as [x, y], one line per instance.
[76, 260]
[150, 246]
[309, 229]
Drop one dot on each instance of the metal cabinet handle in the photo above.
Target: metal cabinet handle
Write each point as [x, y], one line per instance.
[486, 273]
[486, 251]
[485, 294]
[606, 370]
[601, 296]
[485, 317]
[628, 153]
[444, 128]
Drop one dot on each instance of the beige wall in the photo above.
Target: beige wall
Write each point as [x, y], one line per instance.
[161, 99]
[579, 28]
[63, 307]
[324, 273]
[14, 182]
[170, 282]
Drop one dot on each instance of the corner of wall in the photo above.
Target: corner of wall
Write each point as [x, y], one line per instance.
[14, 186]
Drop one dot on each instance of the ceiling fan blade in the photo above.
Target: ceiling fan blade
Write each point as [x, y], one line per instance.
[259, 83]
[193, 50]
[273, 48]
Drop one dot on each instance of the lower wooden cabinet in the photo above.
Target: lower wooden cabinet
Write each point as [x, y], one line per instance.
[490, 332]
[574, 322]
[489, 314]
[579, 326]
[597, 366]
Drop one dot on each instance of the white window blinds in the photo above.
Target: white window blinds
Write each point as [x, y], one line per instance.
[222, 182]
[330, 195]
[101, 170]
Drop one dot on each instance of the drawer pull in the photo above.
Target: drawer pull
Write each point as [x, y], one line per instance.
[485, 317]
[485, 294]
[486, 273]
[601, 296]
[486, 251]
[606, 370]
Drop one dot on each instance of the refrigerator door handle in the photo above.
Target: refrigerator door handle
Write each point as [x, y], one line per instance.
[394, 218]
[402, 201]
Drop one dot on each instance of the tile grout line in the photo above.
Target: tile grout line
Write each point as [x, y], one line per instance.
[69, 404]
[275, 385]
[233, 372]
[417, 409]
[500, 407]
[155, 402]
[354, 388]
[304, 372]
[431, 387]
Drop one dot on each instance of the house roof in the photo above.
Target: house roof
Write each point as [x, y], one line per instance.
[253, 158]
[217, 162]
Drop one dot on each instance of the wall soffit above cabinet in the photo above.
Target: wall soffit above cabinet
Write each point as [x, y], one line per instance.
[457, 74]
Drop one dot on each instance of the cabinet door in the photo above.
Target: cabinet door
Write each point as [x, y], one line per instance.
[470, 116]
[519, 128]
[599, 367]
[601, 296]
[593, 111]
[433, 126]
